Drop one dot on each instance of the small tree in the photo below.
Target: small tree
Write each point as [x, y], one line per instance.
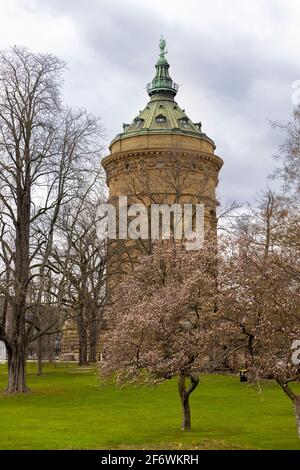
[259, 304]
[159, 320]
[278, 351]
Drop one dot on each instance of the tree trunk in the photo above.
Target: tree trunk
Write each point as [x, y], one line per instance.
[297, 413]
[17, 371]
[295, 399]
[93, 351]
[83, 344]
[40, 356]
[17, 352]
[186, 413]
[93, 337]
[184, 394]
[82, 336]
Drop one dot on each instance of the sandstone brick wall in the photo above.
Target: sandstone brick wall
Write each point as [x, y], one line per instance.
[160, 168]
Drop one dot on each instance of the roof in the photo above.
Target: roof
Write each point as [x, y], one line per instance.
[162, 113]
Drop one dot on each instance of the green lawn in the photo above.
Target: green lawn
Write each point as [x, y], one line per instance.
[66, 409]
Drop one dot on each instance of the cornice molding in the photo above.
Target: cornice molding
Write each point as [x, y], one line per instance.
[118, 156]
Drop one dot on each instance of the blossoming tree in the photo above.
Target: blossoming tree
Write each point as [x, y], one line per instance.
[159, 318]
[259, 306]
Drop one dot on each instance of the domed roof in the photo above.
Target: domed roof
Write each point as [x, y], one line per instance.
[162, 114]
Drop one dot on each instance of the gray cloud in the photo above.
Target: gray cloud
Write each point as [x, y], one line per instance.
[235, 66]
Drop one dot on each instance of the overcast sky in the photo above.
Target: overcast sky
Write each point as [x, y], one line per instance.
[235, 61]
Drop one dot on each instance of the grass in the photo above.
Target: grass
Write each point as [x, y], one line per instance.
[67, 409]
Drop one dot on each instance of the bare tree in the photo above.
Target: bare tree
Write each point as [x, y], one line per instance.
[84, 256]
[46, 154]
[263, 224]
[288, 157]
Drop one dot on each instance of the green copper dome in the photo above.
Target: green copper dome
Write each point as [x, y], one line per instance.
[162, 114]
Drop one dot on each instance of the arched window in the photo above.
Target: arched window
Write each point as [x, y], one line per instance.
[138, 121]
[184, 122]
[160, 118]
